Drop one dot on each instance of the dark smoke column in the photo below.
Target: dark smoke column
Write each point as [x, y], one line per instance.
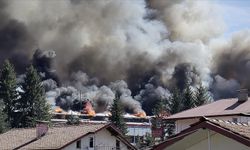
[43, 61]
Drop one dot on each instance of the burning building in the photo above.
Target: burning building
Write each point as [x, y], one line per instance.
[88, 109]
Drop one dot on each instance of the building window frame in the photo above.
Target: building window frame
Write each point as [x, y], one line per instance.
[117, 144]
[78, 144]
[91, 142]
[235, 120]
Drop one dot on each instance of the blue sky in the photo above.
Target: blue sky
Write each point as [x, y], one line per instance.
[236, 14]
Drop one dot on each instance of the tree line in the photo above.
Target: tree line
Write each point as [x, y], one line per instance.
[179, 100]
[21, 105]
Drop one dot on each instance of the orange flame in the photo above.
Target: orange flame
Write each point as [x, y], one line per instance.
[58, 110]
[141, 114]
[88, 109]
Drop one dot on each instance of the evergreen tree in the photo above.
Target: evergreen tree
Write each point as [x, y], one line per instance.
[159, 108]
[8, 93]
[201, 95]
[116, 115]
[3, 124]
[175, 101]
[188, 100]
[73, 120]
[33, 103]
[158, 122]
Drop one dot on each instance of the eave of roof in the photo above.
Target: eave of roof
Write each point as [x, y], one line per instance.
[109, 127]
[204, 123]
[225, 107]
[201, 116]
[67, 144]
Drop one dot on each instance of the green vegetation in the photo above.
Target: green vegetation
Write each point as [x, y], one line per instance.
[73, 120]
[3, 124]
[201, 96]
[8, 93]
[116, 115]
[188, 100]
[33, 105]
[177, 102]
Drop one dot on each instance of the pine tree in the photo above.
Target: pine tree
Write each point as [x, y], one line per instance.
[188, 100]
[73, 120]
[116, 115]
[158, 122]
[33, 103]
[3, 124]
[159, 108]
[175, 101]
[8, 93]
[201, 95]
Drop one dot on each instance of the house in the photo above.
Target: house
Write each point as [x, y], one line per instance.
[138, 127]
[234, 109]
[83, 136]
[210, 134]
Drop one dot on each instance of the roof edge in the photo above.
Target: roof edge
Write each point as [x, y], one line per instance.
[104, 127]
[204, 123]
[219, 115]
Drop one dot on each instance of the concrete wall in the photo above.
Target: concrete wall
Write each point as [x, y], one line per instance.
[103, 140]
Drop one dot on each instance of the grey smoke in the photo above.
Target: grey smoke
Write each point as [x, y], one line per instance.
[43, 61]
[231, 64]
[151, 95]
[223, 88]
[141, 49]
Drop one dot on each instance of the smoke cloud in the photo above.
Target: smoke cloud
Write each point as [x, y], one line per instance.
[231, 67]
[141, 49]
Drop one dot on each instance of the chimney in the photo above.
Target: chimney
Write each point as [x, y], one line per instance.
[243, 95]
[41, 128]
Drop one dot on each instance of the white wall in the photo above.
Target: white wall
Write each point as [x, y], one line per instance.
[103, 140]
[219, 142]
[183, 124]
[199, 141]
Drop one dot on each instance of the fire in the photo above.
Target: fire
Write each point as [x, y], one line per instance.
[58, 110]
[141, 114]
[88, 109]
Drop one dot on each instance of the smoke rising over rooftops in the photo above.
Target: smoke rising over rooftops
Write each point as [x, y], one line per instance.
[141, 49]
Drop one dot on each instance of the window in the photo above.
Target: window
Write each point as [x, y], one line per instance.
[235, 120]
[117, 145]
[91, 142]
[78, 144]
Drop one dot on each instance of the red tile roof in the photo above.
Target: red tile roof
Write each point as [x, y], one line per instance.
[222, 107]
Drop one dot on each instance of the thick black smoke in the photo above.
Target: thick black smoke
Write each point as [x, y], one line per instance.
[43, 62]
[141, 49]
[15, 40]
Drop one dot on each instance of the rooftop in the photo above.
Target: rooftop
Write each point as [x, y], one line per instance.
[237, 131]
[55, 138]
[241, 129]
[222, 107]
